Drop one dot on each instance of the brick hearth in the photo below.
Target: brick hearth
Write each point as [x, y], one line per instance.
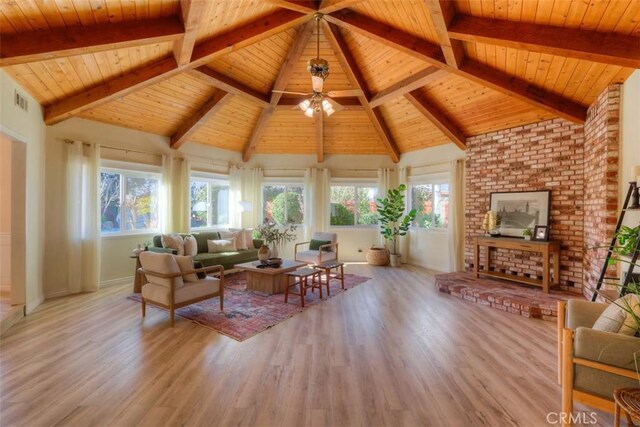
[503, 295]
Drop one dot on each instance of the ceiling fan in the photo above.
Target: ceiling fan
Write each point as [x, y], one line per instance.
[318, 100]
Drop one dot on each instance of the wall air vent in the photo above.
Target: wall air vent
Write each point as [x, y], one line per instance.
[20, 101]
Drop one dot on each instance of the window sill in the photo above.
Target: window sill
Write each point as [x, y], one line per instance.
[129, 235]
[352, 227]
[430, 230]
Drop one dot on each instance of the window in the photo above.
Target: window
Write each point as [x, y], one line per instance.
[128, 201]
[283, 203]
[353, 205]
[209, 202]
[431, 201]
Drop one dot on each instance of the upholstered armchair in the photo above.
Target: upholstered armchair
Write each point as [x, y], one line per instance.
[322, 247]
[592, 363]
[173, 282]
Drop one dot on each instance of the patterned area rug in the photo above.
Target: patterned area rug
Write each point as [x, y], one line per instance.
[246, 313]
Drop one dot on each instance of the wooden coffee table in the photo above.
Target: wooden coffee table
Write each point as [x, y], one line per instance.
[268, 281]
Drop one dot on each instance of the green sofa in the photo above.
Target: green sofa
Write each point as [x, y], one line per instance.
[226, 259]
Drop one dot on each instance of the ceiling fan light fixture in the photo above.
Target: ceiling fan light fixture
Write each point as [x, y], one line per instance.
[304, 105]
[309, 112]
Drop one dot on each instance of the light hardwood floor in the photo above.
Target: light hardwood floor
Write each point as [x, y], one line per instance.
[392, 351]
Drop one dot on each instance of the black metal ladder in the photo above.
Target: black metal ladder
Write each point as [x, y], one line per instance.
[634, 257]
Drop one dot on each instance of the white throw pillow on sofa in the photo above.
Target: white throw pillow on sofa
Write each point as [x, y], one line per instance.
[173, 241]
[237, 234]
[217, 246]
[190, 246]
[617, 318]
[244, 237]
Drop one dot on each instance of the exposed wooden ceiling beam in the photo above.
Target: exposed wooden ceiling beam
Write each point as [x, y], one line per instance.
[413, 82]
[230, 85]
[319, 123]
[355, 77]
[140, 78]
[442, 12]
[472, 70]
[191, 125]
[111, 90]
[302, 6]
[387, 35]
[257, 30]
[616, 49]
[191, 12]
[311, 6]
[330, 6]
[286, 70]
[42, 45]
[437, 117]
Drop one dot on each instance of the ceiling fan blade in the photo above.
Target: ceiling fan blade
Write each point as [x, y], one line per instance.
[292, 93]
[343, 93]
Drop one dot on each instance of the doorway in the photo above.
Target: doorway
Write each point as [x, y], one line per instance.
[13, 161]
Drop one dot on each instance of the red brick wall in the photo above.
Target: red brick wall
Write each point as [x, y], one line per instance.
[538, 156]
[577, 163]
[601, 181]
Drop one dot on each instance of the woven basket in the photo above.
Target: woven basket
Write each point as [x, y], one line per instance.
[378, 256]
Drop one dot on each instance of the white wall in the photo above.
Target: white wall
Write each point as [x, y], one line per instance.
[28, 127]
[5, 213]
[629, 143]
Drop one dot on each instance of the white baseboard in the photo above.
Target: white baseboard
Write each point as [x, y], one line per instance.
[30, 306]
[57, 294]
[119, 281]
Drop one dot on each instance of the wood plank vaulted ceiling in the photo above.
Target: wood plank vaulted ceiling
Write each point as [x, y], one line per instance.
[431, 72]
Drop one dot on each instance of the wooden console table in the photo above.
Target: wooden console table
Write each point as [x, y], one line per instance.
[546, 249]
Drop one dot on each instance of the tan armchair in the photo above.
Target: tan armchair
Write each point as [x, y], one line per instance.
[169, 287]
[327, 252]
[591, 363]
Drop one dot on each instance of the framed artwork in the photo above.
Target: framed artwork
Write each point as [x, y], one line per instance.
[541, 233]
[520, 210]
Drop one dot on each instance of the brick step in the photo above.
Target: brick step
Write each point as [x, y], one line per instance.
[526, 301]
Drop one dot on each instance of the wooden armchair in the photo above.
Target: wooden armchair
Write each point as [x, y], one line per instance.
[592, 363]
[169, 287]
[325, 252]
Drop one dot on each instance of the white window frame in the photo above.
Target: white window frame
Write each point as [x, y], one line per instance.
[433, 179]
[357, 183]
[281, 182]
[130, 170]
[215, 179]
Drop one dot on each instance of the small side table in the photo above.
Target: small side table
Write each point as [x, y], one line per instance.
[627, 400]
[137, 281]
[301, 278]
[327, 266]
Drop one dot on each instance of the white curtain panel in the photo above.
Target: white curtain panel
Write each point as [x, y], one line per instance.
[235, 196]
[181, 195]
[456, 216]
[83, 216]
[254, 195]
[310, 186]
[165, 196]
[403, 178]
[384, 184]
[322, 215]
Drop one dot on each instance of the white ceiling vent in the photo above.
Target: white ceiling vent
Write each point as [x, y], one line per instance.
[20, 101]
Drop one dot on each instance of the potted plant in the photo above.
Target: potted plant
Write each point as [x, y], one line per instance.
[491, 223]
[393, 221]
[527, 233]
[275, 237]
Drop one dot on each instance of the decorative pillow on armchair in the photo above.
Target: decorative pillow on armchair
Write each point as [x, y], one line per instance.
[314, 245]
[186, 264]
[618, 318]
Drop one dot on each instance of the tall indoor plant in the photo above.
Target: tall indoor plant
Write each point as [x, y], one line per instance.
[393, 221]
